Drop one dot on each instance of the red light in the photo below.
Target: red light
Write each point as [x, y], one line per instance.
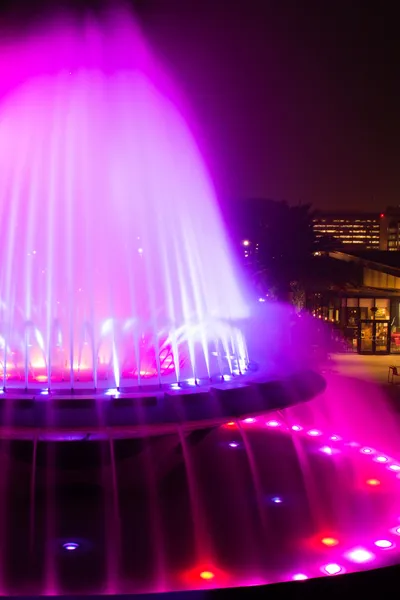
[230, 424]
[208, 573]
[381, 215]
[329, 541]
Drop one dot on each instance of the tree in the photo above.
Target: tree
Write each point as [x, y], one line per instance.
[283, 242]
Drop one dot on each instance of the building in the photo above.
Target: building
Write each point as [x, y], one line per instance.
[366, 304]
[390, 229]
[351, 230]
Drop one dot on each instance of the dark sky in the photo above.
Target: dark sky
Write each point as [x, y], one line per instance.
[296, 100]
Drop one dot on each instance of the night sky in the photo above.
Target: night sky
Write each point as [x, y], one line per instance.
[296, 100]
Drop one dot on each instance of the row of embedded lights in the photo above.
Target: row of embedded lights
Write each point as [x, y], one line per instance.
[273, 423]
[358, 554]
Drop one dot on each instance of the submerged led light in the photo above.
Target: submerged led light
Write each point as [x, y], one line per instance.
[299, 577]
[329, 541]
[381, 459]
[332, 569]
[366, 450]
[385, 544]
[207, 575]
[359, 555]
[71, 546]
[314, 432]
[273, 423]
[373, 482]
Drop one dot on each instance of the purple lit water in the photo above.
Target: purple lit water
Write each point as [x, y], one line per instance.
[115, 271]
[115, 268]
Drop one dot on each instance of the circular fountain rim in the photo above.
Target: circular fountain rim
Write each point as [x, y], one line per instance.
[150, 412]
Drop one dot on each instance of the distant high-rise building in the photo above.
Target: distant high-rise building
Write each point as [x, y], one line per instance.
[390, 229]
[351, 230]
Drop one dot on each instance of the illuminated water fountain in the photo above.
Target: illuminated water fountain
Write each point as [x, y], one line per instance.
[133, 456]
[115, 269]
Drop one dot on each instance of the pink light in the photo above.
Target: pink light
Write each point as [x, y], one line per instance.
[384, 544]
[394, 468]
[314, 432]
[299, 577]
[366, 451]
[326, 450]
[381, 459]
[273, 423]
[332, 569]
[249, 420]
[396, 530]
[334, 438]
[359, 555]
[296, 428]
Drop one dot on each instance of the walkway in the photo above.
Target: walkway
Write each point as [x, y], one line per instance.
[371, 368]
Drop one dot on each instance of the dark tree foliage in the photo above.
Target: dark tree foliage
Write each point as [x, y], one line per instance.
[285, 238]
[286, 260]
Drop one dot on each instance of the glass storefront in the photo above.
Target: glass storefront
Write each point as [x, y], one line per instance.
[367, 325]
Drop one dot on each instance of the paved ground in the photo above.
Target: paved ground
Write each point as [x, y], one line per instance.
[371, 368]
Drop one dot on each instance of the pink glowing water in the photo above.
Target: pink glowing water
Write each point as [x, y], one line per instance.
[114, 269]
[114, 263]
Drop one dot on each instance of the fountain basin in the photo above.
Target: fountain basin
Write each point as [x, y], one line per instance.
[152, 409]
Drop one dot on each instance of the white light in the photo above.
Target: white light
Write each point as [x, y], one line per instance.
[261, 299]
[191, 381]
[326, 450]
[394, 468]
[385, 544]
[314, 432]
[296, 428]
[299, 577]
[366, 451]
[246, 243]
[112, 392]
[332, 569]
[71, 546]
[140, 250]
[273, 423]
[396, 530]
[359, 555]
[175, 386]
[249, 420]
[334, 438]
[381, 459]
